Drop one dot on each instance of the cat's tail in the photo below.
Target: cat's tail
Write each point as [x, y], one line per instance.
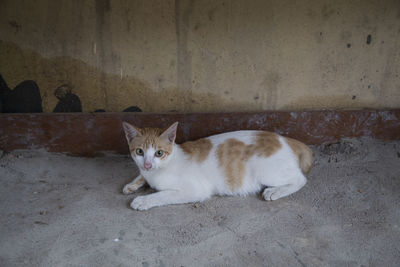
[303, 153]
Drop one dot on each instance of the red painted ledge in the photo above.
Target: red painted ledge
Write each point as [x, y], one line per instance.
[89, 134]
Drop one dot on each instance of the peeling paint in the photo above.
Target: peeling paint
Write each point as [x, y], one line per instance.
[102, 132]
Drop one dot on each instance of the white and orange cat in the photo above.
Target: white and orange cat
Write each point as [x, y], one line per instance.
[234, 163]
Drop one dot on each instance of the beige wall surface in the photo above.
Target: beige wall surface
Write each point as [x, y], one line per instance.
[205, 55]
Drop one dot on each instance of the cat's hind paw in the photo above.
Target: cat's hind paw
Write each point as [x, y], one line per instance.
[268, 194]
[274, 193]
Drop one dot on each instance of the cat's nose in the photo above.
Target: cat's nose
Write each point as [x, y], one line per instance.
[147, 165]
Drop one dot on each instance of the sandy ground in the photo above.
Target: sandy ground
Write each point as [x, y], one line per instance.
[58, 210]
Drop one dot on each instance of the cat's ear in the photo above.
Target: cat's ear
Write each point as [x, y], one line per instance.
[131, 132]
[170, 133]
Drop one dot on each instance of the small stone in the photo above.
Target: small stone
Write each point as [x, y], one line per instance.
[41, 223]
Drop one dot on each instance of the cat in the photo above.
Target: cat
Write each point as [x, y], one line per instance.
[233, 163]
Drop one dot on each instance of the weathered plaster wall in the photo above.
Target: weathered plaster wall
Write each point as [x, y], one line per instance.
[208, 55]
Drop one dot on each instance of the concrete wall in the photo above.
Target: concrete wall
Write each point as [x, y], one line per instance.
[208, 55]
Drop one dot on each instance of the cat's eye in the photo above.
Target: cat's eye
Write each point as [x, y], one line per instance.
[139, 151]
[159, 153]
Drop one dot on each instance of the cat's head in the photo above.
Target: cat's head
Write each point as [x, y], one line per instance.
[150, 148]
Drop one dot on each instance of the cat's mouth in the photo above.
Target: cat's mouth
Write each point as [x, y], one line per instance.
[144, 169]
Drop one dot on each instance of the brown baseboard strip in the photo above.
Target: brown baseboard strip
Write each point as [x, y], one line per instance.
[88, 134]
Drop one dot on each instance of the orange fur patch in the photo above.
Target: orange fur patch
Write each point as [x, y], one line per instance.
[197, 150]
[303, 153]
[234, 154]
[267, 143]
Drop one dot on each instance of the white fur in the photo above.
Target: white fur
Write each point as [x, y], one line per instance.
[182, 180]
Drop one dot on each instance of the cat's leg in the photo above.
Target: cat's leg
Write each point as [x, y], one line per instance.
[163, 198]
[137, 183]
[276, 192]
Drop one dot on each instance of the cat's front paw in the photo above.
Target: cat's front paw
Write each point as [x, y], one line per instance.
[129, 189]
[142, 203]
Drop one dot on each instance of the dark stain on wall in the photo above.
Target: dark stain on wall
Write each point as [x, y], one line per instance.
[327, 12]
[15, 25]
[68, 102]
[103, 38]
[133, 109]
[270, 85]
[134, 92]
[183, 12]
[3, 87]
[369, 39]
[129, 109]
[24, 98]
